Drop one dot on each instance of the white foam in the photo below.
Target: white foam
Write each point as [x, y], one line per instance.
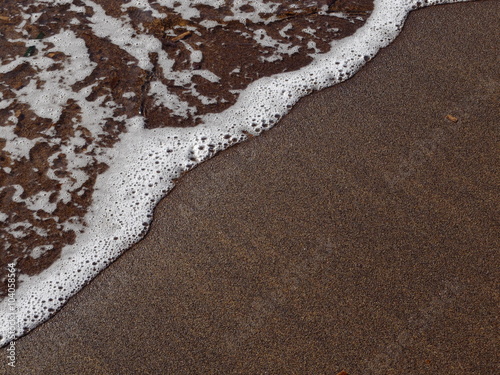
[145, 6]
[279, 49]
[145, 162]
[18, 147]
[163, 97]
[49, 93]
[38, 251]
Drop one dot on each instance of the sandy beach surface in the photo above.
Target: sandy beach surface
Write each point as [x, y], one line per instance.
[360, 234]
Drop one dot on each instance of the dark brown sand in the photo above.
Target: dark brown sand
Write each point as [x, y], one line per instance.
[360, 234]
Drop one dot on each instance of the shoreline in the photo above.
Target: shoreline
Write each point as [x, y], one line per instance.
[289, 202]
[121, 196]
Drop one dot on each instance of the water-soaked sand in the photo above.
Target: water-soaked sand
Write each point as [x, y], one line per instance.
[52, 158]
[360, 234]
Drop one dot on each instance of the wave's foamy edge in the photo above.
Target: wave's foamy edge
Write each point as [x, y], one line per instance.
[146, 162]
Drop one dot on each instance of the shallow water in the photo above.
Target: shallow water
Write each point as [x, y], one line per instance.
[103, 148]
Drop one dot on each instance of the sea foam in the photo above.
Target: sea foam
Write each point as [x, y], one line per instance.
[145, 162]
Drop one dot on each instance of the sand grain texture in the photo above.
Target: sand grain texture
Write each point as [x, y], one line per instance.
[360, 234]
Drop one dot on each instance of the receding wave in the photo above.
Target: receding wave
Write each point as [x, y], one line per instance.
[104, 104]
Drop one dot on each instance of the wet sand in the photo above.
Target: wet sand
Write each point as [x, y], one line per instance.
[360, 234]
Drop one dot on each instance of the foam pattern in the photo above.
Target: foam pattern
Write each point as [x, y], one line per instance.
[145, 163]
